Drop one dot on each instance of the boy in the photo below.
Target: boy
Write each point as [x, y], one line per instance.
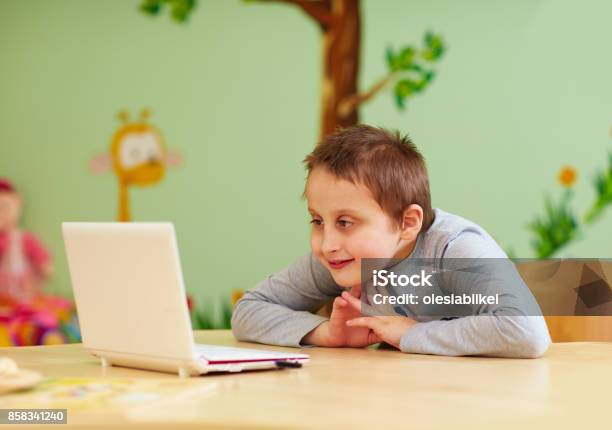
[368, 195]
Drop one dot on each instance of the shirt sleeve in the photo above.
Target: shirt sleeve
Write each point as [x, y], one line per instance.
[278, 310]
[512, 328]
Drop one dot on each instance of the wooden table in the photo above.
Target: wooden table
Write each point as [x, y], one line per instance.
[362, 388]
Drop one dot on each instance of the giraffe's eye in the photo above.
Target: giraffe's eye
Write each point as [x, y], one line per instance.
[152, 147]
[133, 151]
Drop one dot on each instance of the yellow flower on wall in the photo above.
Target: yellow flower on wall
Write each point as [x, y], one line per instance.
[567, 176]
[236, 295]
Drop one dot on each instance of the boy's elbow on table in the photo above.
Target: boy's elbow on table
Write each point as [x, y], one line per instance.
[536, 347]
[536, 344]
[531, 341]
[239, 326]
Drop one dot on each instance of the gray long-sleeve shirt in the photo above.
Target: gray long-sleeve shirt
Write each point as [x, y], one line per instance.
[279, 310]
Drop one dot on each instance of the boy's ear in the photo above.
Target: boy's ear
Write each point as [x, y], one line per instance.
[411, 222]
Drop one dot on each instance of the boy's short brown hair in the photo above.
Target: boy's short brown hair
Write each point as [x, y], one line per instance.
[388, 164]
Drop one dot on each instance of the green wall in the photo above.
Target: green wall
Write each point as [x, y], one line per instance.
[523, 89]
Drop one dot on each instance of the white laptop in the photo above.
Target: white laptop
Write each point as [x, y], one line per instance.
[132, 307]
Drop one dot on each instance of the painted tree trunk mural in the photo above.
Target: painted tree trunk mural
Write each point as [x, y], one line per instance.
[341, 41]
[340, 25]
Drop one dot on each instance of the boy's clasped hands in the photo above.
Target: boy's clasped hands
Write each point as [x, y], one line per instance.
[346, 326]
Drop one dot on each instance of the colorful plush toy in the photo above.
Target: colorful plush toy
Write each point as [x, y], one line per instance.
[27, 315]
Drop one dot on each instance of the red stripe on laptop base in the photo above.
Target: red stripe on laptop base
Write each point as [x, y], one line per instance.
[253, 361]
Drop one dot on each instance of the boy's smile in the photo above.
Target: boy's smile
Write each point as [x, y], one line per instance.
[339, 264]
[348, 225]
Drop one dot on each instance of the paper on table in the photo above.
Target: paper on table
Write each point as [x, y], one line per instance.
[131, 396]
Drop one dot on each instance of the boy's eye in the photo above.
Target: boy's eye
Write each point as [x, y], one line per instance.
[344, 223]
[316, 222]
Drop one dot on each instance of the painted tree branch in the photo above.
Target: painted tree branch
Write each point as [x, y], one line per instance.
[320, 11]
[350, 104]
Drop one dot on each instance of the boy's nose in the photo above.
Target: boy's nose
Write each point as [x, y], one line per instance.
[330, 243]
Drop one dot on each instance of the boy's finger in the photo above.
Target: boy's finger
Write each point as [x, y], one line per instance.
[360, 306]
[351, 300]
[373, 338]
[339, 302]
[368, 322]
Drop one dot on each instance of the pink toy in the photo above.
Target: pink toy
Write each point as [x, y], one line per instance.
[25, 264]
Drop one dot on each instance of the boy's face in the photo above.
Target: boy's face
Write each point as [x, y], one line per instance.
[348, 225]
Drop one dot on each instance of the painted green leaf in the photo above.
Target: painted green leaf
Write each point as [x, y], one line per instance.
[434, 47]
[428, 75]
[405, 58]
[226, 315]
[399, 101]
[151, 7]
[405, 87]
[416, 67]
[603, 188]
[555, 229]
[179, 9]
[390, 56]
